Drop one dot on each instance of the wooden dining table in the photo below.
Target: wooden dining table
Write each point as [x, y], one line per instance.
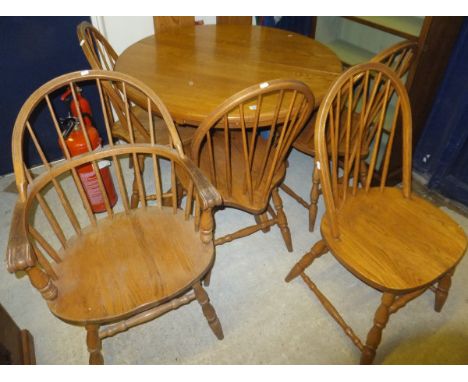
[193, 69]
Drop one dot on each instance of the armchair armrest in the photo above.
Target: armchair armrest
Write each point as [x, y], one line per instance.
[19, 254]
[209, 195]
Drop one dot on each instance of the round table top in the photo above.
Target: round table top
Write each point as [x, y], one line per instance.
[194, 69]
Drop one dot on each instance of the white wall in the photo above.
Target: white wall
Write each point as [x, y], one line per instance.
[123, 31]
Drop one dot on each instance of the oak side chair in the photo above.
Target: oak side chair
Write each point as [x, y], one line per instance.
[389, 238]
[399, 57]
[242, 147]
[101, 56]
[169, 23]
[111, 271]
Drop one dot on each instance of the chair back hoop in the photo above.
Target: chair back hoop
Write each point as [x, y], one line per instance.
[96, 48]
[261, 121]
[101, 56]
[118, 151]
[42, 101]
[398, 57]
[345, 145]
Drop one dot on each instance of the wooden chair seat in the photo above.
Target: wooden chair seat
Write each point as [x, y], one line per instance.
[128, 264]
[238, 197]
[412, 243]
[391, 240]
[160, 130]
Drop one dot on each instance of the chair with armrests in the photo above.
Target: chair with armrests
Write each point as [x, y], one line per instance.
[399, 58]
[110, 271]
[389, 238]
[101, 56]
[242, 147]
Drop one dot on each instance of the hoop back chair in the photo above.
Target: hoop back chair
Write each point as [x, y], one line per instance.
[399, 58]
[390, 239]
[242, 147]
[110, 271]
[101, 56]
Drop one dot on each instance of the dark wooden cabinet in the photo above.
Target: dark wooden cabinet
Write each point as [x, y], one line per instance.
[16, 345]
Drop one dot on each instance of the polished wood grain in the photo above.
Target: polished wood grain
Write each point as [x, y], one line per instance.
[242, 147]
[390, 239]
[398, 57]
[243, 20]
[194, 69]
[168, 23]
[394, 221]
[149, 270]
[125, 266]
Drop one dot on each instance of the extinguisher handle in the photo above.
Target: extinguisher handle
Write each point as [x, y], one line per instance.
[66, 94]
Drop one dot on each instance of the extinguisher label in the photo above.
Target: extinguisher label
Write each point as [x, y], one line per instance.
[91, 185]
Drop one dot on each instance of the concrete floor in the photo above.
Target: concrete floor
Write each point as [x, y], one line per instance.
[265, 320]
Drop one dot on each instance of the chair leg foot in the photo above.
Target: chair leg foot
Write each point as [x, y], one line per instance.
[442, 290]
[316, 251]
[282, 220]
[375, 334]
[363, 173]
[260, 218]
[94, 344]
[208, 311]
[314, 195]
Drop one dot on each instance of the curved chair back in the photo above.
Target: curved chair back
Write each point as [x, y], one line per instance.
[245, 141]
[96, 48]
[45, 99]
[398, 57]
[48, 220]
[340, 139]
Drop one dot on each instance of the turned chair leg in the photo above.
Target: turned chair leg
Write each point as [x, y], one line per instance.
[282, 220]
[316, 251]
[314, 195]
[375, 334]
[180, 193]
[363, 173]
[442, 290]
[208, 311]
[94, 345]
[261, 218]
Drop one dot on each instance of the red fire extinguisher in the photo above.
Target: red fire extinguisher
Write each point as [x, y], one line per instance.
[84, 105]
[76, 144]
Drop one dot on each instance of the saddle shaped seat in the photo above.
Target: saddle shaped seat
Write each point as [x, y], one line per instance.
[135, 265]
[431, 241]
